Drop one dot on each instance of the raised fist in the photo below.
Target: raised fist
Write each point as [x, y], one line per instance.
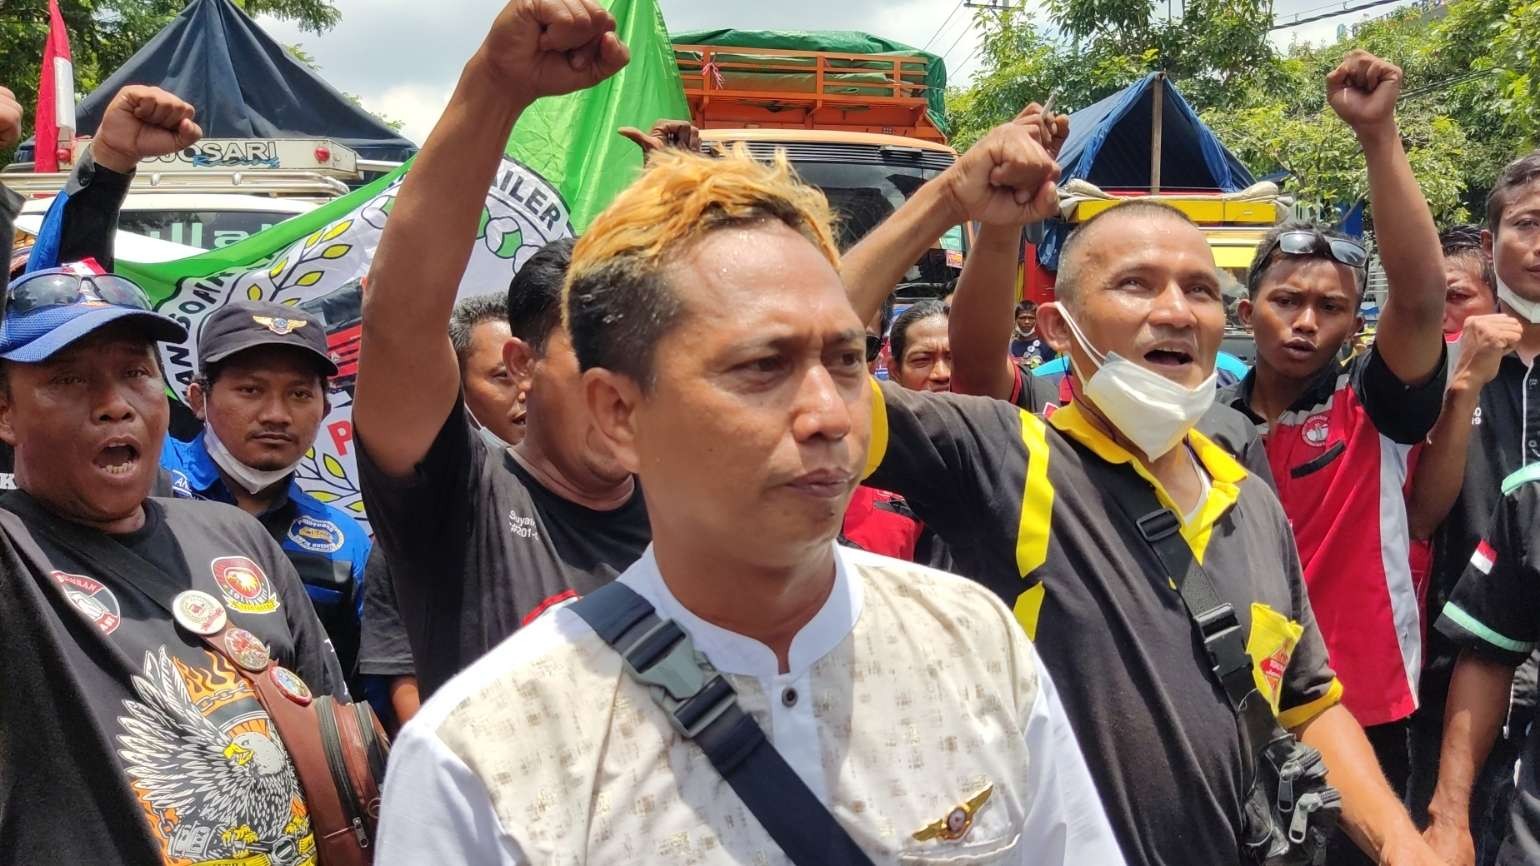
[10, 119]
[143, 122]
[1007, 177]
[549, 47]
[1363, 90]
[1483, 343]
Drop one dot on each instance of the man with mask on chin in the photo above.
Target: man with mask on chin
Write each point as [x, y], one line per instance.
[1048, 513]
[261, 395]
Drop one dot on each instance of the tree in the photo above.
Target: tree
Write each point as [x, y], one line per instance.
[105, 33]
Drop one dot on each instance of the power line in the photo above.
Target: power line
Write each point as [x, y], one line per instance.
[943, 25]
[963, 65]
[1345, 10]
[955, 42]
[1446, 83]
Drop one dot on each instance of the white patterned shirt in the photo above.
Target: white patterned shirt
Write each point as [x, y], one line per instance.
[907, 695]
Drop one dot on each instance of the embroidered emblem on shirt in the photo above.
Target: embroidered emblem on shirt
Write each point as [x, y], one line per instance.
[1316, 430]
[245, 588]
[279, 325]
[316, 536]
[523, 527]
[957, 822]
[92, 599]
[180, 486]
[1475, 418]
[1484, 557]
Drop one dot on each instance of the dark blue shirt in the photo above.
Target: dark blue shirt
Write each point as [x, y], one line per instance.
[328, 548]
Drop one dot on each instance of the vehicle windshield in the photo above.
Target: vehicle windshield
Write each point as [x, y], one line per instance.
[864, 195]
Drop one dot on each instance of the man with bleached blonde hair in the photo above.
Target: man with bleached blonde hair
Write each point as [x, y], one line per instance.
[748, 691]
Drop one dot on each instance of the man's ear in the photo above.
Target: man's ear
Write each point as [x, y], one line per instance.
[1358, 325]
[1486, 244]
[1244, 309]
[613, 404]
[519, 357]
[197, 400]
[1052, 327]
[7, 431]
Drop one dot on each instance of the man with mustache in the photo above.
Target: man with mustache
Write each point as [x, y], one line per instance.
[123, 737]
[261, 395]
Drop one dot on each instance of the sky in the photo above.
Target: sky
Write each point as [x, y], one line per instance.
[401, 57]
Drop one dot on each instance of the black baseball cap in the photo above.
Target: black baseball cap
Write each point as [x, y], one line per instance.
[242, 325]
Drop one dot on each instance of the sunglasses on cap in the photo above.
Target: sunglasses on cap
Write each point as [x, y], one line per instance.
[873, 347]
[55, 289]
[1309, 243]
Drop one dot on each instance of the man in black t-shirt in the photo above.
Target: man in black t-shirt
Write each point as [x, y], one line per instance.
[479, 540]
[123, 737]
[478, 330]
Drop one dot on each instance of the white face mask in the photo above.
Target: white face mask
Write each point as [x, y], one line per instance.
[254, 480]
[1527, 310]
[494, 441]
[1150, 410]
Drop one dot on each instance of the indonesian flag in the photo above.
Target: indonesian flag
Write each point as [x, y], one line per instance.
[1484, 558]
[55, 134]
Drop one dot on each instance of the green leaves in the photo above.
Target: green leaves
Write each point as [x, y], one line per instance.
[1471, 100]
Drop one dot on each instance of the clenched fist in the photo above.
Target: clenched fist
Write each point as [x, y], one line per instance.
[10, 119]
[1483, 343]
[549, 47]
[1007, 177]
[1363, 91]
[142, 122]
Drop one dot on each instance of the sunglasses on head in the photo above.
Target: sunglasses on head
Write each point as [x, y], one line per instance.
[1308, 243]
[52, 289]
[873, 347]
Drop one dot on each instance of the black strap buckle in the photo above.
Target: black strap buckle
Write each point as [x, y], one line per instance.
[1226, 646]
[664, 659]
[1159, 525]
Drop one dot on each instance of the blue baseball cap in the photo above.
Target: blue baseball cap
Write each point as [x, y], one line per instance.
[34, 335]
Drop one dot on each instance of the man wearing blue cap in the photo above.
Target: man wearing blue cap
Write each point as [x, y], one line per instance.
[261, 395]
[124, 738]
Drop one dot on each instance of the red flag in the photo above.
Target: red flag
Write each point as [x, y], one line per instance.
[55, 133]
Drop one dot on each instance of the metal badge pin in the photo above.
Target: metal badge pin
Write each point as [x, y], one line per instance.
[291, 685]
[957, 822]
[198, 612]
[248, 650]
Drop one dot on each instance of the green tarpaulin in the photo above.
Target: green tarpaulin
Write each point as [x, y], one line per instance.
[933, 76]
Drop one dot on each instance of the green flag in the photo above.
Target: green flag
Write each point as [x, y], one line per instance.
[564, 163]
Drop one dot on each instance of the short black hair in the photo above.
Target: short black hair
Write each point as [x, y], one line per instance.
[472, 312]
[887, 316]
[1067, 279]
[1464, 242]
[1026, 307]
[1268, 253]
[1515, 176]
[534, 295]
[918, 312]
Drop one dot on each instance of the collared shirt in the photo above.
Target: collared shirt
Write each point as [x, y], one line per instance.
[1011, 495]
[1495, 612]
[327, 547]
[1339, 457]
[907, 694]
[1504, 437]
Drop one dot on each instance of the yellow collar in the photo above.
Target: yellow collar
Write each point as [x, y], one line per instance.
[1225, 474]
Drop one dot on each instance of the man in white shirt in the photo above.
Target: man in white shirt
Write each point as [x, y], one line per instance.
[725, 367]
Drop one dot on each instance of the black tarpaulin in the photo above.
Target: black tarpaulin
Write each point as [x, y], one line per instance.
[243, 84]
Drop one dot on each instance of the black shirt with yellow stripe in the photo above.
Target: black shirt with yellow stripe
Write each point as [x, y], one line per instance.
[1010, 494]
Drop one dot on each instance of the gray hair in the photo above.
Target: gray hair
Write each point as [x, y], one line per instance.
[472, 312]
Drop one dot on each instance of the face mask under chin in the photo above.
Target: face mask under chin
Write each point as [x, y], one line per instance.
[1148, 409]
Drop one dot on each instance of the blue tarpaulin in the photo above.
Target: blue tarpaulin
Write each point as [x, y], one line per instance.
[243, 84]
[1110, 143]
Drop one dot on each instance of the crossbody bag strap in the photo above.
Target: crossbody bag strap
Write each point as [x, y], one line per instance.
[1215, 619]
[703, 707]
